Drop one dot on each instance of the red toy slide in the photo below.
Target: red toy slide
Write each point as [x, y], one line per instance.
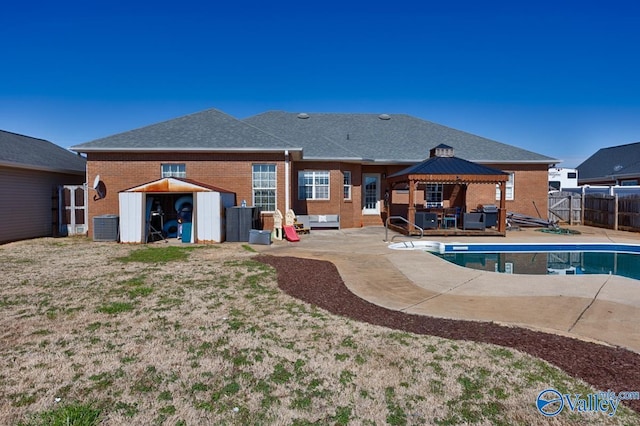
[290, 233]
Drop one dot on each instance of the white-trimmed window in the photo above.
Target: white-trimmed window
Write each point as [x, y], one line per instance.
[174, 170]
[508, 194]
[263, 182]
[313, 185]
[433, 195]
[347, 185]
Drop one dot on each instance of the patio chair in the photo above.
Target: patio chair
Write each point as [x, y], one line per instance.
[451, 217]
[473, 220]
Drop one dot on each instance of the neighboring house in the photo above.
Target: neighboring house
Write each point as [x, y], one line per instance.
[31, 170]
[315, 164]
[616, 165]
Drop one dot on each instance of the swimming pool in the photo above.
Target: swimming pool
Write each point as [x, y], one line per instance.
[537, 258]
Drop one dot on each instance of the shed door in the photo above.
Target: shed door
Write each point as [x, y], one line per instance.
[131, 217]
[208, 217]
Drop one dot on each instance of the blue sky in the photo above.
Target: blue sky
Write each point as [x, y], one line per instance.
[557, 78]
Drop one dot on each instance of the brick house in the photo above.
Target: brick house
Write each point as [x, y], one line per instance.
[315, 164]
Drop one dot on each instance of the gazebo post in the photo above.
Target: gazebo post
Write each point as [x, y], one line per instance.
[502, 212]
[411, 213]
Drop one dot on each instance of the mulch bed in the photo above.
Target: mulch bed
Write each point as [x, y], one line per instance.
[604, 367]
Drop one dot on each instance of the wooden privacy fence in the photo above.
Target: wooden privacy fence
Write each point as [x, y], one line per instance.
[613, 212]
[565, 207]
[606, 211]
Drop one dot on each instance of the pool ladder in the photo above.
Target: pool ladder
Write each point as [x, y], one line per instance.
[386, 227]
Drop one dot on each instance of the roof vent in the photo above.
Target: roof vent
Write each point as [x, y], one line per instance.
[384, 117]
[303, 115]
[617, 167]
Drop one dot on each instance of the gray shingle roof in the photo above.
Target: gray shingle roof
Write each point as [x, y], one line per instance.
[385, 137]
[395, 138]
[613, 161]
[27, 152]
[207, 130]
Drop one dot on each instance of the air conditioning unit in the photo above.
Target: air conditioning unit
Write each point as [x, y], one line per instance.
[105, 227]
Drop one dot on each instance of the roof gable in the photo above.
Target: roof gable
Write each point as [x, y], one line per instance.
[32, 153]
[209, 130]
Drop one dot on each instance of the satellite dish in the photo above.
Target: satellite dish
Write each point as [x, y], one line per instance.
[100, 188]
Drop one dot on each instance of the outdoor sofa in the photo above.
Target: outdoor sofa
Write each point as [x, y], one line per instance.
[320, 221]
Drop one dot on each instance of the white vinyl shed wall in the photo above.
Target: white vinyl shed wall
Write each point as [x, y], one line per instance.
[132, 217]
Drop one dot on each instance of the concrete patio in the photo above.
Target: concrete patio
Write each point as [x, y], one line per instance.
[601, 308]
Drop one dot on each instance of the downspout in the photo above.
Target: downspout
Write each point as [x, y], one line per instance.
[287, 181]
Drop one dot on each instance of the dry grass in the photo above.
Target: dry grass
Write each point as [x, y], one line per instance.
[209, 339]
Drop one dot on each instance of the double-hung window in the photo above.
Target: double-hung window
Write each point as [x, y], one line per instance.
[313, 185]
[264, 186]
[347, 185]
[174, 170]
[508, 193]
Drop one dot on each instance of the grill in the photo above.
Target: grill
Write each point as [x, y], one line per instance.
[490, 214]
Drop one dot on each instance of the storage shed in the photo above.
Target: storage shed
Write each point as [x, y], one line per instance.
[165, 197]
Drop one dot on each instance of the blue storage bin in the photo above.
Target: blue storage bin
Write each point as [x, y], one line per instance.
[186, 232]
[259, 237]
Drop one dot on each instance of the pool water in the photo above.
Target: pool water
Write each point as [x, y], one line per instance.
[537, 258]
[546, 263]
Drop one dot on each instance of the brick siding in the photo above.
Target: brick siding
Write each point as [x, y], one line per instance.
[232, 172]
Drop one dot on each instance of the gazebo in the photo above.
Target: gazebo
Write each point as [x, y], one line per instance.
[444, 169]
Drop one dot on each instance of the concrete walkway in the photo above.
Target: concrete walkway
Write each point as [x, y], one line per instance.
[602, 308]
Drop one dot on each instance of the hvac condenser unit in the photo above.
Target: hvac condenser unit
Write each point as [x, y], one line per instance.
[105, 227]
